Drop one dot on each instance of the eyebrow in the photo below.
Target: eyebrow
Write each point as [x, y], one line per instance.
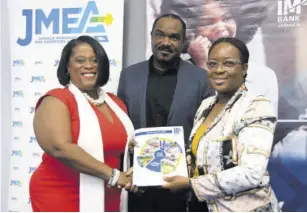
[171, 34]
[224, 58]
[81, 56]
[157, 30]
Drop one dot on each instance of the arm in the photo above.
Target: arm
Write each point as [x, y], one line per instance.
[255, 139]
[52, 127]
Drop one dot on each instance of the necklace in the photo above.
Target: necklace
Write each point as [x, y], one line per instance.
[97, 102]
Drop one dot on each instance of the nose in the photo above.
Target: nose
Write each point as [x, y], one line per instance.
[88, 64]
[219, 69]
[165, 41]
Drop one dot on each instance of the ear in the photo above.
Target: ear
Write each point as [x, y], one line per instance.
[244, 69]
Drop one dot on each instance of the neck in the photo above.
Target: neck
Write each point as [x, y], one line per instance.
[160, 65]
[223, 98]
[93, 93]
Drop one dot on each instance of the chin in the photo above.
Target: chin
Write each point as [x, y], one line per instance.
[87, 86]
[163, 58]
[222, 89]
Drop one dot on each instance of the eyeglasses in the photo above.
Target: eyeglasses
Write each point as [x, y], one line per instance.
[227, 64]
[82, 61]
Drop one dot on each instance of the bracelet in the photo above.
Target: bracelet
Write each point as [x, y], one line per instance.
[114, 178]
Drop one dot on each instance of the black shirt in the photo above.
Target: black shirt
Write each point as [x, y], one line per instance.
[161, 87]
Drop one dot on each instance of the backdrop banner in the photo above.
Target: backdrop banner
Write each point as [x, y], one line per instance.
[38, 32]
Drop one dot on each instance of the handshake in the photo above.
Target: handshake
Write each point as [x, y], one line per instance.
[122, 180]
[125, 179]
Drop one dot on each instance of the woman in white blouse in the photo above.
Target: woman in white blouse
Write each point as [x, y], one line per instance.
[231, 140]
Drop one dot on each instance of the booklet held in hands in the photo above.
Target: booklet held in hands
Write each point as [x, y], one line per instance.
[160, 152]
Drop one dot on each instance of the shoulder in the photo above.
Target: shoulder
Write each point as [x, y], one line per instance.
[257, 106]
[205, 104]
[137, 66]
[192, 68]
[62, 94]
[118, 101]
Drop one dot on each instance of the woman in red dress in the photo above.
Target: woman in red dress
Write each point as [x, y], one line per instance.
[58, 124]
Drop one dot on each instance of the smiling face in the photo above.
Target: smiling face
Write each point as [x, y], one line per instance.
[82, 67]
[226, 72]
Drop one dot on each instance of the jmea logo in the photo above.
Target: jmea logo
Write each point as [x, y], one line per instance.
[56, 63]
[85, 20]
[16, 183]
[38, 79]
[18, 62]
[16, 153]
[18, 93]
[32, 110]
[32, 169]
[289, 12]
[17, 124]
[32, 139]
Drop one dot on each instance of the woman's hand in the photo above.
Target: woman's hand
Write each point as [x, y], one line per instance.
[123, 180]
[177, 183]
[128, 185]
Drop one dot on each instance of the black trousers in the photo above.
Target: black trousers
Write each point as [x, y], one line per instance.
[195, 206]
[157, 200]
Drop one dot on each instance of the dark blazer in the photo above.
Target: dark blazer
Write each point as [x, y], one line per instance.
[191, 89]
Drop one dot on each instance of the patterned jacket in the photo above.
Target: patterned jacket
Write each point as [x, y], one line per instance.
[233, 153]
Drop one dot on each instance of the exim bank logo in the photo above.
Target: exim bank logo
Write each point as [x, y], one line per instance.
[64, 23]
[289, 12]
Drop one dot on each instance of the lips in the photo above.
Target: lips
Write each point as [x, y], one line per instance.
[219, 81]
[88, 74]
[165, 52]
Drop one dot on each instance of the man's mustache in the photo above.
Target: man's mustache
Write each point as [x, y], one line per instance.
[165, 48]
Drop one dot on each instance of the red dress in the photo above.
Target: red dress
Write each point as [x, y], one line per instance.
[54, 186]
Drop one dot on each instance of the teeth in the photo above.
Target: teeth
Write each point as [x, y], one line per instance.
[88, 74]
